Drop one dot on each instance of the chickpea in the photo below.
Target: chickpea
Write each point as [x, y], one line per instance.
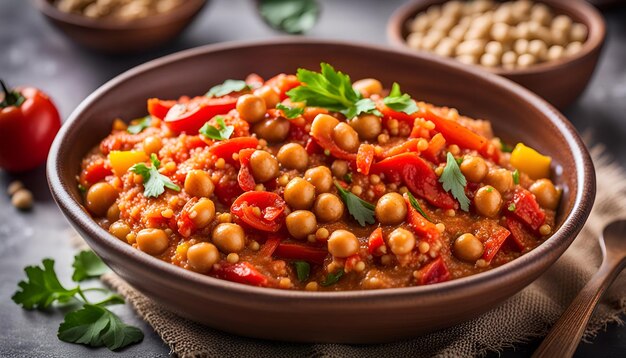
[346, 137]
[229, 237]
[152, 241]
[293, 156]
[263, 166]
[489, 60]
[328, 207]
[509, 58]
[301, 223]
[251, 108]
[578, 32]
[521, 46]
[401, 241]
[198, 183]
[471, 47]
[272, 130]
[495, 48]
[501, 179]
[368, 126]
[320, 177]
[269, 96]
[299, 194]
[474, 168]
[546, 193]
[468, 247]
[555, 52]
[488, 201]
[100, 197]
[113, 213]
[152, 144]
[538, 48]
[119, 229]
[368, 86]
[202, 213]
[343, 243]
[526, 60]
[391, 209]
[573, 48]
[202, 256]
[339, 168]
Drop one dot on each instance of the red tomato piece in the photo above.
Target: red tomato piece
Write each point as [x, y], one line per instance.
[408, 146]
[365, 158]
[267, 250]
[494, 243]
[158, 108]
[435, 146]
[245, 178]
[283, 83]
[96, 171]
[183, 222]
[375, 242]
[190, 116]
[526, 210]
[271, 205]
[241, 272]
[434, 272]
[226, 148]
[292, 251]
[422, 227]
[518, 234]
[227, 190]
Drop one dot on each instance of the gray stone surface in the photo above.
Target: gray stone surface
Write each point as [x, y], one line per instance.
[35, 53]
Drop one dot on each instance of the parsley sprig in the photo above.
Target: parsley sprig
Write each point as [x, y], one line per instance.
[399, 101]
[221, 132]
[332, 278]
[92, 324]
[154, 183]
[416, 204]
[229, 86]
[140, 125]
[361, 210]
[454, 181]
[290, 112]
[303, 269]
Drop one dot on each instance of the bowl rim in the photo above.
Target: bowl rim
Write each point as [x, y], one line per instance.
[587, 13]
[183, 10]
[573, 223]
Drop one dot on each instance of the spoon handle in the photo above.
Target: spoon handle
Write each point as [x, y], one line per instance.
[566, 333]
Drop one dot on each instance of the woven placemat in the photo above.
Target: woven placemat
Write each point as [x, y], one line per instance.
[526, 315]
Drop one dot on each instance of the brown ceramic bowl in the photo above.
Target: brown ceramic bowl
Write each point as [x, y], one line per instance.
[559, 82]
[115, 36]
[342, 317]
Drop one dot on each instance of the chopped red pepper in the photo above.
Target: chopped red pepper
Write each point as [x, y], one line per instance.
[227, 190]
[454, 132]
[190, 116]
[245, 178]
[389, 113]
[270, 245]
[518, 234]
[375, 242]
[158, 108]
[434, 272]
[494, 243]
[291, 251]
[408, 146]
[183, 222]
[226, 148]
[271, 205]
[94, 172]
[526, 209]
[435, 146]
[241, 272]
[351, 262]
[422, 227]
[283, 83]
[365, 158]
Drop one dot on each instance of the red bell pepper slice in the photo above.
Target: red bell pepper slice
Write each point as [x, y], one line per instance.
[518, 234]
[227, 190]
[422, 227]
[94, 172]
[282, 83]
[158, 107]
[389, 113]
[184, 223]
[375, 242]
[454, 132]
[322, 132]
[270, 245]
[434, 272]
[418, 176]
[190, 116]
[241, 272]
[271, 205]
[494, 243]
[245, 178]
[291, 251]
[408, 146]
[526, 209]
[365, 158]
[435, 146]
[226, 148]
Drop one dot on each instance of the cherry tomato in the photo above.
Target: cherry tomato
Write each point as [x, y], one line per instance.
[159, 108]
[226, 148]
[190, 116]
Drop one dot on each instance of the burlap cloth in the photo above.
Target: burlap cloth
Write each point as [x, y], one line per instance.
[525, 315]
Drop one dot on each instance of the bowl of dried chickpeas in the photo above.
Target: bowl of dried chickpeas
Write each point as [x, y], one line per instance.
[550, 47]
[120, 26]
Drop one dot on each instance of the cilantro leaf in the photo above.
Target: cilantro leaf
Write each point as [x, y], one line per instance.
[416, 204]
[96, 326]
[361, 210]
[154, 183]
[87, 265]
[290, 16]
[400, 102]
[453, 180]
[290, 112]
[229, 86]
[516, 176]
[303, 269]
[221, 132]
[140, 125]
[332, 278]
[41, 288]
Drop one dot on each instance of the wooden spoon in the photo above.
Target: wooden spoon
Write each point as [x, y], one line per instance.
[565, 335]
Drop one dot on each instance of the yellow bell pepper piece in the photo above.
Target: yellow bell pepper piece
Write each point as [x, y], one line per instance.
[122, 160]
[531, 162]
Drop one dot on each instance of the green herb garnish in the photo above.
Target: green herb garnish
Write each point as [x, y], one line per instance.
[290, 112]
[82, 188]
[332, 278]
[332, 90]
[303, 269]
[415, 204]
[454, 181]
[348, 178]
[92, 325]
[229, 86]
[221, 132]
[516, 176]
[140, 125]
[361, 210]
[290, 16]
[511, 207]
[400, 102]
[489, 189]
[154, 183]
[505, 147]
[87, 265]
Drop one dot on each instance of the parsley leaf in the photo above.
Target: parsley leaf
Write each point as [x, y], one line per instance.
[416, 204]
[400, 102]
[41, 288]
[221, 132]
[516, 176]
[511, 207]
[332, 90]
[290, 16]
[140, 125]
[87, 265]
[290, 112]
[332, 278]
[303, 269]
[96, 326]
[361, 210]
[453, 180]
[229, 86]
[154, 183]
[348, 178]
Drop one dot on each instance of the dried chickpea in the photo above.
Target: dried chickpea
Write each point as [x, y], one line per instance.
[489, 60]
[526, 60]
[555, 52]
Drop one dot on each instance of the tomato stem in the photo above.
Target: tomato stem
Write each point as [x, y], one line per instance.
[11, 98]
